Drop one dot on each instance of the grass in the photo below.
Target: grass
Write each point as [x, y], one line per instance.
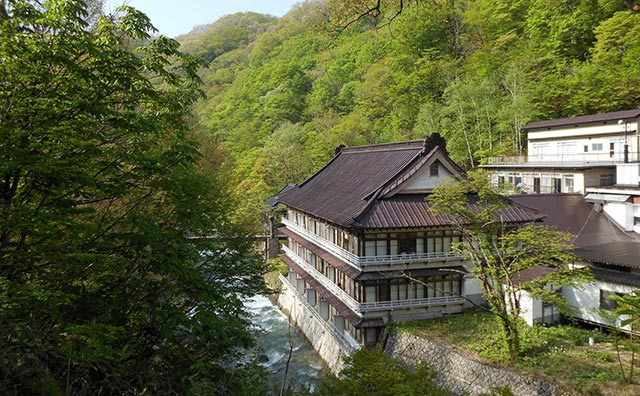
[276, 266]
[560, 354]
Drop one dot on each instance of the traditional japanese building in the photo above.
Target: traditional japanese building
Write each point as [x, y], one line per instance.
[363, 247]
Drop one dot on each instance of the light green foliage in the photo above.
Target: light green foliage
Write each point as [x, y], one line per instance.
[373, 372]
[628, 315]
[476, 71]
[101, 289]
[499, 250]
[559, 352]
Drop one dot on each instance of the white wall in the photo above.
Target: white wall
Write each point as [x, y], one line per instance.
[423, 182]
[621, 213]
[566, 143]
[586, 299]
[628, 174]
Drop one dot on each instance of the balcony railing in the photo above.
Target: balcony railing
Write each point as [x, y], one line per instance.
[361, 308]
[360, 262]
[415, 303]
[348, 344]
[406, 258]
[324, 281]
[603, 158]
[337, 251]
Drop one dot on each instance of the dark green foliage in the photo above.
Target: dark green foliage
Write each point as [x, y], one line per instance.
[101, 289]
[373, 372]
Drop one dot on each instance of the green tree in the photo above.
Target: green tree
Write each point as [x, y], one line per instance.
[499, 250]
[627, 314]
[373, 372]
[107, 282]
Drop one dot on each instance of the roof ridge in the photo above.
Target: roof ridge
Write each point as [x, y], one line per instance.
[389, 146]
[585, 118]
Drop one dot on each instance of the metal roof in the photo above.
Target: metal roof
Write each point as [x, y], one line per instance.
[618, 253]
[586, 119]
[608, 275]
[338, 191]
[572, 213]
[607, 197]
[413, 211]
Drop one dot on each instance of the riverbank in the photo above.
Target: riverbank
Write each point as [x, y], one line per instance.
[275, 337]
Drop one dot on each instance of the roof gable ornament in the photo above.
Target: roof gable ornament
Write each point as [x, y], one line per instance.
[432, 141]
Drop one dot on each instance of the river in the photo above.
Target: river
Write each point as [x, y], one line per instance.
[306, 366]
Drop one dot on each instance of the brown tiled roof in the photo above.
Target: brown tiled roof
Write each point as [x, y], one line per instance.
[412, 211]
[614, 116]
[351, 190]
[347, 269]
[572, 213]
[338, 192]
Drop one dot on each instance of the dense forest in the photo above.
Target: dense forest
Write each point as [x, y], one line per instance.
[283, 93]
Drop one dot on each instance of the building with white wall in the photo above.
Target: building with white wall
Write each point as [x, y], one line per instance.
[570, 155]
[611, 253]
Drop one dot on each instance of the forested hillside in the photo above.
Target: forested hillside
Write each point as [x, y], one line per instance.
[283, 93]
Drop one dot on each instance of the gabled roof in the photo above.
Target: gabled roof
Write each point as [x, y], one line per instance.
[363, 187]
[273, 201]
[345, 187]
[586, 119]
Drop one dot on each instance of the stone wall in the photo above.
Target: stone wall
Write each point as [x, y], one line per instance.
[463, 375]
[312, 327]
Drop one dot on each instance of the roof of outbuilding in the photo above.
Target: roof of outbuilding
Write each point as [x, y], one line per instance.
[530, 274]
[586, 119]
[356, 188]
[618, 253]
[572, 213]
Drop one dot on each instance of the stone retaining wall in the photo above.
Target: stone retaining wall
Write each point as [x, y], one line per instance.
[316, 332]
[463, 375]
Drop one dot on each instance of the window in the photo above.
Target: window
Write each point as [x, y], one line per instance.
[568, 183]
[606, 302]
[612, 149]
[606, 180]
[586, 148]
[500, 181]
[536, 185]
[557, 185]
[433, 169]
[407, 243]
[596, 147]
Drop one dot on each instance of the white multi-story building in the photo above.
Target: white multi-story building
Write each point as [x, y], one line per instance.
[572, 154]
